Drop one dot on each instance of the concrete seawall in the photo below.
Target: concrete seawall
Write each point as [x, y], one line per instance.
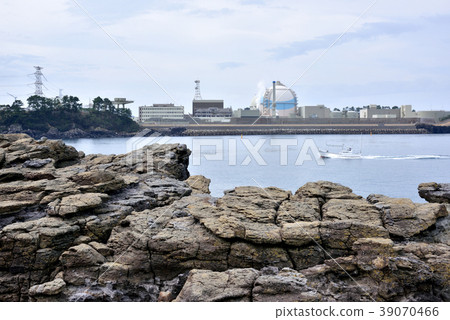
[224, 130]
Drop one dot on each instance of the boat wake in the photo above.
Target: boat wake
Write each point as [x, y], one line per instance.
[406, 157]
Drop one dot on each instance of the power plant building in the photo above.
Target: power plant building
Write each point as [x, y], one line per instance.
[210, 109]
[161, 112]
[375, 112]
[279, 101]
[313, 112]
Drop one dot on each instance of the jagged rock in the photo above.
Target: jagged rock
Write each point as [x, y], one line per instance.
[36, 163]
[342, 235]
[101, 248]
[139, 242]
[50, 288]
[183, 245]
[404, 218]
[170, 159]
[437, 256]
[10, 174]
[307, 209]
[324, 191]
[20, 148]
[360, 210]
[75, 204]
[81, 255]
[247, 255]
[230, 285]
[247, 213]
[435, 192]
[308, 256]
[8, 207]
[113, 272]
[373, 253]
[2, 157]
[300, 234]
[198, 184]
[165, 296]
[285, 286]
[98, 181]
[165, 191]
[30, 250]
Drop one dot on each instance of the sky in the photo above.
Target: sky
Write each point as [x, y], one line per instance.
[336, 53]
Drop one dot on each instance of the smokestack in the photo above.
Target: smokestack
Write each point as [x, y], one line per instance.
[274, 101]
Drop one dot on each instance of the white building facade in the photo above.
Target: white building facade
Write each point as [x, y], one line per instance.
[161, 112]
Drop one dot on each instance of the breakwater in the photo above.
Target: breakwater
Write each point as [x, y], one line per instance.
[233, 130]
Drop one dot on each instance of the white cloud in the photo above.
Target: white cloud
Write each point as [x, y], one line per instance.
[229, 45]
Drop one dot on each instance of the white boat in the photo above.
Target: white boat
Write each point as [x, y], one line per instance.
[345, 153]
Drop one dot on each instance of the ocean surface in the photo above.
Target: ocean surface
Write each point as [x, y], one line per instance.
[392, 165]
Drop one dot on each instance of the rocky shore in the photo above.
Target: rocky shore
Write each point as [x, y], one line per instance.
[137, 227]
[76, 133]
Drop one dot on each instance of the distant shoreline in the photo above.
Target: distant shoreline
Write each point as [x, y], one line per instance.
[237, 130]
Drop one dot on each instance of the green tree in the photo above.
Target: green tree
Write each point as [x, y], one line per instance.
[108, 105]
[38, 103]
[97, 104]
[70, 103]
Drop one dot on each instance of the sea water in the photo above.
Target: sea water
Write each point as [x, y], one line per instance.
[393, 165]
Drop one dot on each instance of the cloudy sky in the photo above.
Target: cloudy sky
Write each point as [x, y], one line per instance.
[396, 53]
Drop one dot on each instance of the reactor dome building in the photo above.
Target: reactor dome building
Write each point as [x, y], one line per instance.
[278, 101]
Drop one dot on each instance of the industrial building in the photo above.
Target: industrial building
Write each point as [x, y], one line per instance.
[210, 108]
[158, 112]
[279, 101]
[246, 113]
[319, 111]
[435, 116]
[406, 112]
[378, 113]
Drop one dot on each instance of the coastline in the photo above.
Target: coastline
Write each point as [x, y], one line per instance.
[239, 129]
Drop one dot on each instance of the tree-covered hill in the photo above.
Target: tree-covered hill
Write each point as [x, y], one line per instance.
[44, 114]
